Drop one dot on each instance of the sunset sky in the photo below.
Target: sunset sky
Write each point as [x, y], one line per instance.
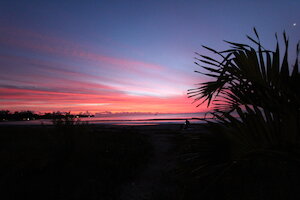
[122, 56]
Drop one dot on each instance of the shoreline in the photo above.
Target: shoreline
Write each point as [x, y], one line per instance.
[114, 124]
[129, 122]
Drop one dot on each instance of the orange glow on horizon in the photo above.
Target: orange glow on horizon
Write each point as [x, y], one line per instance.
[45, 101]
[56, 74]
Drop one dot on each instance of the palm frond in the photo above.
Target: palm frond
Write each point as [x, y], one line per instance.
[256, 107]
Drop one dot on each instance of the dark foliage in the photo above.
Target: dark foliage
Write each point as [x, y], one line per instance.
[256, 102]
[18, 115]
[6, 115]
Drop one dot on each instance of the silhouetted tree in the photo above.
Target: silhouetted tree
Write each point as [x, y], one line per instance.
[4, 114]
[256, 105]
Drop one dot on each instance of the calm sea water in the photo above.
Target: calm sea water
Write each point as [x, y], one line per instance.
[137, 119]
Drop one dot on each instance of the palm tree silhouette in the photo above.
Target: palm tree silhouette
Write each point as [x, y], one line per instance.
[256, 104]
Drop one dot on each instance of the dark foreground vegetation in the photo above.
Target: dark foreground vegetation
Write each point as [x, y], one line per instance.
[252, 149]
[69, 161]
[206, 170]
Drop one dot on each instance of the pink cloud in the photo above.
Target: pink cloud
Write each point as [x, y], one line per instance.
[147, 86]
[35, 99]
[50, 85]
[42, 43]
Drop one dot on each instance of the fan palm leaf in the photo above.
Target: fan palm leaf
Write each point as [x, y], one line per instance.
[256, 107]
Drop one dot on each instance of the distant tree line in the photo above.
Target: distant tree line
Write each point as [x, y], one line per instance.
[6, 115]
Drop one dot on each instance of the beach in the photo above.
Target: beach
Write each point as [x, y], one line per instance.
[90, 161]
[125, 162]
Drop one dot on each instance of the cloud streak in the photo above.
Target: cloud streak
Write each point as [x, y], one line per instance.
[96, 82]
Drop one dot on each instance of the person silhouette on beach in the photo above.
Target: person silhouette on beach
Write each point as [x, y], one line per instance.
[186, 124]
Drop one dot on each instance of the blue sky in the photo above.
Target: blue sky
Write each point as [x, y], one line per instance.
[122, 56]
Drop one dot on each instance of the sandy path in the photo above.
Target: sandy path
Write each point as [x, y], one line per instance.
[154, 182]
